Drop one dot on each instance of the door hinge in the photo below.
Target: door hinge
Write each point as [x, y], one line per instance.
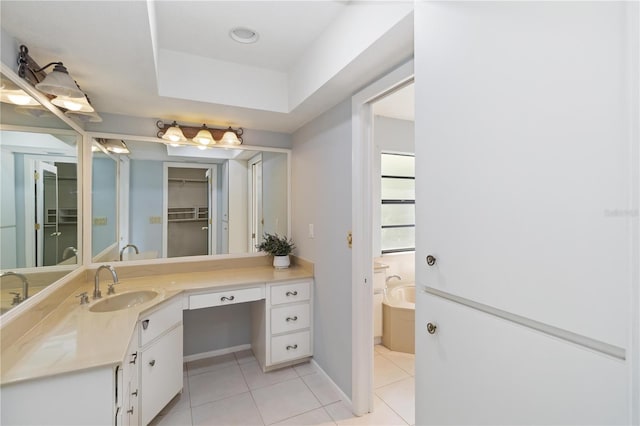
[36, 175]
[36, 226]
[350, 239]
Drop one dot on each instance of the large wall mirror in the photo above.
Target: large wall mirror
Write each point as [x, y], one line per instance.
[40, 217]
[161, 201]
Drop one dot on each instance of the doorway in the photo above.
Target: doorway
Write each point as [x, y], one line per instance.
[364, 155]
[190, 205]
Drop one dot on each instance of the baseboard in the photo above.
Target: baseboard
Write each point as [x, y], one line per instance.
[218, 352]
[345, 399]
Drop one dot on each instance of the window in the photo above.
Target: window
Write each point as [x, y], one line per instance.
[398, 194]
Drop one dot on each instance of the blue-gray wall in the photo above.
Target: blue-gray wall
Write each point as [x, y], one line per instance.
[321, 195]
[103, 203]
[145, 201]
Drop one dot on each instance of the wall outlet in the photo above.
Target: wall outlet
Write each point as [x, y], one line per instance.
[312, 232]
[155, 220]
[99, 221]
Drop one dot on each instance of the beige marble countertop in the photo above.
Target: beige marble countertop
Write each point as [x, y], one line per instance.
[72, 338]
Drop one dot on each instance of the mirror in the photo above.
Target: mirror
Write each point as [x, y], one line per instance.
[183, 201]
[39, 199]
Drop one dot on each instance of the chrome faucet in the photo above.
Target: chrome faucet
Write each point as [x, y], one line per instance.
[127, 246]
[96, 290]
[25, 287]
[392, 276]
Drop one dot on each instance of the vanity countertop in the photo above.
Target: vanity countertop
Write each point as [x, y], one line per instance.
[72, 338]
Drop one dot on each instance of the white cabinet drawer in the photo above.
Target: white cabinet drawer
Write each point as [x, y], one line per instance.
[287, 293]
[229, 297]
[289, 318]
[290, 346]
[156, 323]
[161, 373]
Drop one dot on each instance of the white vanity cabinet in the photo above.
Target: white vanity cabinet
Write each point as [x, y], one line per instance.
[129, 411]
[282, 326]
[160, 359]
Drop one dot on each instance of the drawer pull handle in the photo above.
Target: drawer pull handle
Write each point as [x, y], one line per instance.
[292, 293]
[152, 362]
[130, 411]
[145, 324]
[225, 298]
[295, 318]
[431, 328]
[134, 358]
[289, 347]
[135, 393]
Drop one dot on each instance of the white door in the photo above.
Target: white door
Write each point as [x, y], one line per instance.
[255, 182]
[46, 214]
[523, 142]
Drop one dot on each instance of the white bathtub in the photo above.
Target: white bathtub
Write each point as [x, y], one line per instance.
[398, 318]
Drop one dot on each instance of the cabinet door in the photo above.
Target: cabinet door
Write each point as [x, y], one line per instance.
[160, 373]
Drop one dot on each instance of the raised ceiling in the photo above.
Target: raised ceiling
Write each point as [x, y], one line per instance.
[175, 59]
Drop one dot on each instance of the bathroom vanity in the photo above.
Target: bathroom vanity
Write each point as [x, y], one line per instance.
[121, 367]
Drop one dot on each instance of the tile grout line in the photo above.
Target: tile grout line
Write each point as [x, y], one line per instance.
[255, 404]
[394, 411]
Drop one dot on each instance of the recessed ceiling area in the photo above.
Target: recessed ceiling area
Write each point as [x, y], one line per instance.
[174, 60]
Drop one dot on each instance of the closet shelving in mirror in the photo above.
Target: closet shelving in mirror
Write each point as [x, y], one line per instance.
[187, 214]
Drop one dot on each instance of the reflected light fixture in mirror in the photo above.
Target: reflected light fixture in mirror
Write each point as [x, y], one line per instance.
[116, 146]
[73, 104]
[12, 94]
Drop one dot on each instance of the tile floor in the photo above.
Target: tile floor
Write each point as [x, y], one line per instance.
[232, 390]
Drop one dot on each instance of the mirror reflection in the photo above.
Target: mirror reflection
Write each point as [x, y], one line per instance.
[39, 209]
[183, 201]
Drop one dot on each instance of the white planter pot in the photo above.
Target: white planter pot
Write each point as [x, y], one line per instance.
[281, 262]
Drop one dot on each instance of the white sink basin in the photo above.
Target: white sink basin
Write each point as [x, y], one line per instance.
[123, 301]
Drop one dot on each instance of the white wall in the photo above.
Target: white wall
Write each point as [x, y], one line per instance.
[321, 195]
[274, 192]
[7, 211]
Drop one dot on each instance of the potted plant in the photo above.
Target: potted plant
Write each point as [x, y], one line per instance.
[278, 247]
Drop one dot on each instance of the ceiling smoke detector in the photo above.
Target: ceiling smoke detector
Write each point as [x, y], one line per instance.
[244, 35]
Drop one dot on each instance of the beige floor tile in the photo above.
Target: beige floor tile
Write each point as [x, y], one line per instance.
[386, 372]
[256, 378]
[381, 349]
[236, 410]
[322, 388]
[317, 417]
[244, 356]
[305, 368]
[400, 396]
[215, 385]
[382, 415]
[211, 364]
[403, 360]
[174, 418]
[284, 400]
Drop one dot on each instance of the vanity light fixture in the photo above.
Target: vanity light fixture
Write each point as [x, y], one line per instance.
[203, 136]
[173, 133]
[58, 84]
